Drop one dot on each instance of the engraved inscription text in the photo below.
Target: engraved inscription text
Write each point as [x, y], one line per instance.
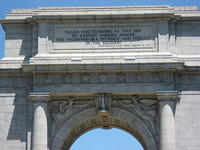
[137, 36]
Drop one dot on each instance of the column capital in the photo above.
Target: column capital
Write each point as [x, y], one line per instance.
[39, 96]
[167, 96]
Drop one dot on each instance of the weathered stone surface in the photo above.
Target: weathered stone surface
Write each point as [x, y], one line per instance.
[105, 36]
[68, 70]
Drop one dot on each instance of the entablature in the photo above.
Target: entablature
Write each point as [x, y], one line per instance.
[114, 67]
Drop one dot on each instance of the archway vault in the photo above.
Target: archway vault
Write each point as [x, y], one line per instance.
[88, 119]
[106, 122]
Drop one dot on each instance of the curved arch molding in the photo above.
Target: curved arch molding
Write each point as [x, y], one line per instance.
[86, 120]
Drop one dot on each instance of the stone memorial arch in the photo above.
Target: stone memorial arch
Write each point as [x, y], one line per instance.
[68, 70]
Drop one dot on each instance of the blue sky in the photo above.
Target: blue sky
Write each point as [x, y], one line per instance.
[96, 139]
[101, 139]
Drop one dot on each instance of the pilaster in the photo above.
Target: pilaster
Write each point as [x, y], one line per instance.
[167, 101]
[163, 35]
[40, 122]
[42, 37]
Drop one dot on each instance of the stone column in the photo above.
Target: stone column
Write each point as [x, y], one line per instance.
[167, 102]
[40, 123]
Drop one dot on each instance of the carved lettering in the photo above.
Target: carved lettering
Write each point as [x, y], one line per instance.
[134, 36]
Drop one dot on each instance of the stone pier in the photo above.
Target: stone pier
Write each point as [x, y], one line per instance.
[40, 121]
[167, 101]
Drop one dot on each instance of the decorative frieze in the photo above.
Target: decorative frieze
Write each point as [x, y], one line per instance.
[141, 105]
[62, 105]
[190, 79]
[144, 107]
[103, 101]
[85, 78]
[121, 77]
[68, 78]
[103, 78]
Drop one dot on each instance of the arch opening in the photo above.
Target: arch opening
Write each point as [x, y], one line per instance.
[104, 122]
[87, 120]
[99, 139]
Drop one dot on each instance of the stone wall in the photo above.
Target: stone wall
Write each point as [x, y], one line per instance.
[21, 39]
[187, 121]
[187, 38]
[13, 111]
[57, 61]
[18, 40]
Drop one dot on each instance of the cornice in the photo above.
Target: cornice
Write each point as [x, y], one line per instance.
[173, 66]
[114, 12]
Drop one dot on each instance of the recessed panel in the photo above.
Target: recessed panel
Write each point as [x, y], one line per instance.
[135, 36]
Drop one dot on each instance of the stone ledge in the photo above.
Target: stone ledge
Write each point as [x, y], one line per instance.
[102, 12]
[39, 96]
[7, 94]
[190, 93]
[170, 66]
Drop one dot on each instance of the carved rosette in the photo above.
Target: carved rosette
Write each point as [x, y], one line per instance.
[103, 78]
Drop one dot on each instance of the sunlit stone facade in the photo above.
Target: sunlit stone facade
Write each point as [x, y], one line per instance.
[67, 70]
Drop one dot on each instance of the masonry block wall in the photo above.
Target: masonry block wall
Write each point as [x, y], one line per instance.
[137, 77]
